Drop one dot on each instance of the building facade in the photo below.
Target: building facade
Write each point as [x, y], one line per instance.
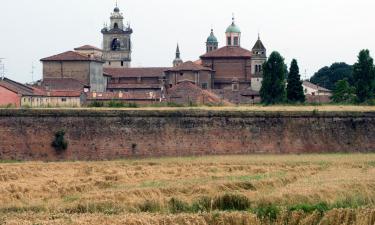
[84, 68]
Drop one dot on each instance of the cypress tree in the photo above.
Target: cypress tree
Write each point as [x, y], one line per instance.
[294, 88]
[364, 76]
[273, 84]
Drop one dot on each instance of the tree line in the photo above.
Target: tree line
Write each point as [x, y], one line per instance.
[350, 84]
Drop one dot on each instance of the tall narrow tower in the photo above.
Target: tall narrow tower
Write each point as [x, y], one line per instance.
[233, 34]
[177, 61]
[117, 45]
[212, 43]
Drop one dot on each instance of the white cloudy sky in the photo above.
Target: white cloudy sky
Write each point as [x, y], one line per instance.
[316, 32]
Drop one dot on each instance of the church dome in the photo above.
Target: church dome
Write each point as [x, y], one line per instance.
[233, 28]
[212, 38]
[117, 9]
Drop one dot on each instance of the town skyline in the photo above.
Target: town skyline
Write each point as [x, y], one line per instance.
[50, 31]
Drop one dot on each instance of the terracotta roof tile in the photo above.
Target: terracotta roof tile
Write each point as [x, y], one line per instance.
[314, 86]
[228, 52]
[133, 86]
[16, 87]
[70, 56]
[87, 47]
[63, 84]
[189, 66]
[136, 72]
[187, 90]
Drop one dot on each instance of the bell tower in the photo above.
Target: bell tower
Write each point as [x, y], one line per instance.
[233, 34]
[117, 45]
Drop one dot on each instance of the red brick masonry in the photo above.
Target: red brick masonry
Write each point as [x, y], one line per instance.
[100, 135]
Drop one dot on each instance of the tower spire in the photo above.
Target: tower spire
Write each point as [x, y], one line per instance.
[177, 61]
[178, 54]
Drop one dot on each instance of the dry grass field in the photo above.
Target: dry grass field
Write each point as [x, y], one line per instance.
[234, 190]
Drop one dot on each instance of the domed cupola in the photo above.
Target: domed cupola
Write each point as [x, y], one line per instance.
[233, 34]
[212, 43]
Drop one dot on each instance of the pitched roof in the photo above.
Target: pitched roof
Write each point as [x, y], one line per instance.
[63, 93]
[259, 45]
[189, 91]
[228, 52]
[68, 84]
[133, 86]
[314, 86]
[70, 56]
[87, 47]
[189, 66]
[136, 72]
[16, 87]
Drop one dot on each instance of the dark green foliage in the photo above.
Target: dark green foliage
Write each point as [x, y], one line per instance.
[203, 204]
[178, 206]
[327, 77]
[343, 92]
[107, 208]
[309, 208]
[150, 206]
[267, 212]
[60, 144]
[231, 202]
[113, 104]
[294, 89]
[274, 75]
[364, 76]
[96, 104]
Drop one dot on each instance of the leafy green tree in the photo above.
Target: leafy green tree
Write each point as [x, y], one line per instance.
[364, 76]
[294, 89]
[343, 92]
[273, 85]
[327, 77]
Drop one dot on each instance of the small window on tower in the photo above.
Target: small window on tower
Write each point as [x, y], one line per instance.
[122, 63]
[116, 26]
[229, 41]
[235, 41]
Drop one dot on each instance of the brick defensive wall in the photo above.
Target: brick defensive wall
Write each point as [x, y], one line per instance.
[115, 134]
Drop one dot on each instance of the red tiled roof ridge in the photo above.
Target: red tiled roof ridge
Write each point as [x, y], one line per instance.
[228, 51]
[70, 56]
[135, 71]
[189, 65]
[87, 47]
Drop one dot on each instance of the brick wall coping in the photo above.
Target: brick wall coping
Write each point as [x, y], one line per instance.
[179, 113]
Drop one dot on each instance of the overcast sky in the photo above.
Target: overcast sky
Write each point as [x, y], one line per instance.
[315, 32]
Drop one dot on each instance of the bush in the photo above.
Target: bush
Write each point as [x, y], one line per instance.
[231, 202]
[309, 208]
[267, 212]
[178, 206]
[96, 104]
[203, 204]
[60, 144]
[150, 206]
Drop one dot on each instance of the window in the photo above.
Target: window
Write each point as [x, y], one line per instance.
[116, 26]
[204, 86]
[235, 41]
[109, 63]
[229, 41]
[122, 63]
[63, 99]
[234, 87]
[181, 74]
